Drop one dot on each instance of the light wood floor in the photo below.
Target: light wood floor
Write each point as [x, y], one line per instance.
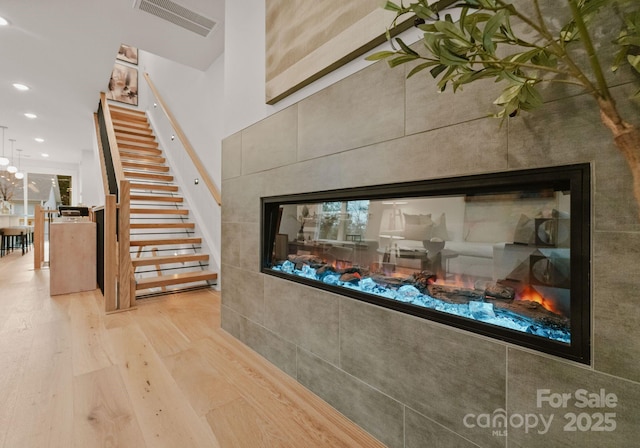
[164, 375]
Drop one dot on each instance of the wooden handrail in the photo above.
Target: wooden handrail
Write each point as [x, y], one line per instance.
[185, 142]
[103, 165]
[113, 143]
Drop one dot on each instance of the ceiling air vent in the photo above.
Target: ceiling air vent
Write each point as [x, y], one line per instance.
[177, 14]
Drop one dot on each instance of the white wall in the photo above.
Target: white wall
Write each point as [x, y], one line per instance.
[91, 190]
[244, 55]
[194, 97]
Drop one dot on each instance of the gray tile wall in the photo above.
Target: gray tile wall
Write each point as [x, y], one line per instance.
[410, 382]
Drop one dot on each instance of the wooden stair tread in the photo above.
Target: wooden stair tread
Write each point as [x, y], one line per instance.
[163, 225]
[146, 152]
[125, 128]
[130, 124]
[127, 114]
[133, 157]
[143, 175]
[145, 166]
[166, 241]
[151, 187]
[127, 109]
[138, 146]
[174, 279]
[156, 198]
[158, 211]
[129, 117]
[150, 261]
[134, 137]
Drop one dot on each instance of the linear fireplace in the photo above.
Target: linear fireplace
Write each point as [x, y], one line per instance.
[505, 255]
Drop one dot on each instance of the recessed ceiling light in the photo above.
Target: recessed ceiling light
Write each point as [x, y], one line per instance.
[45, 155]
[30, 115]
[39, 140]
[3, 21]
[19, 86]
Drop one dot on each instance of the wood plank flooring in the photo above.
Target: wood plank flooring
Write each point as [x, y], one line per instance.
[163, 375]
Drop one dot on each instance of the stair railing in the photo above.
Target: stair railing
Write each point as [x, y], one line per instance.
[215, 193]
[119, 279]
[126, 278]
[109, 146]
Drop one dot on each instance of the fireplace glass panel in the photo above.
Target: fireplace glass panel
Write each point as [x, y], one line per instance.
[503, 259]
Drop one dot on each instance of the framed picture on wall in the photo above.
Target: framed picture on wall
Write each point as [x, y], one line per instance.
[128, 54]
[123, 84]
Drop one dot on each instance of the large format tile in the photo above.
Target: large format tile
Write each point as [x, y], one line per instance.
[557, 135]
[375, 412]
[615, 206]
[232, 156]
[278, 351]
[365, 108]
[468, 148]
[306, 316]
[243, 291]
[574, 422]
[440, 372]
[241, 198]
[270, 143]
[241, 245]
[420, 432]
[427, 108]
[616, 330]
[303, 177]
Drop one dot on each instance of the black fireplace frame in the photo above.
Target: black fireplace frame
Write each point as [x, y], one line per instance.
[576, 178]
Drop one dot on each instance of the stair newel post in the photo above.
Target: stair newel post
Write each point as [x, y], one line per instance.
[127, 283]
[110, 254]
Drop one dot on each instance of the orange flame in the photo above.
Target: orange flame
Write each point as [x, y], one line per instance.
[459, 280]
[533, 296]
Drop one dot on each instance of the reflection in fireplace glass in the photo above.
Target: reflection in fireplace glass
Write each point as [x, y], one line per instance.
[501, 258]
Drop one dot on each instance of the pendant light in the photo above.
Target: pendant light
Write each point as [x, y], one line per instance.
[3, 160]
[12, 168]
[19, 174]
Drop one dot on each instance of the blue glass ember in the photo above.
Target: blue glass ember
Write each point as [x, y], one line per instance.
[487, 311]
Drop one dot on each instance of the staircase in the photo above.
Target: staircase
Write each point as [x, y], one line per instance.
[165, 254]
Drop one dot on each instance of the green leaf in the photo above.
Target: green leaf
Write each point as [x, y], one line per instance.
[544, 58]
[450, 30]
[508, 32]
[418, 68]
[449, 58]
[512, 77]
[423, 11]
[406, 48]
[390, 6]
[628, 40]
[380, 55]
[442, 84]
[508, 94]
[401, 60]
[490, 29]
[634, 60]
[529, 97]
[435, 71]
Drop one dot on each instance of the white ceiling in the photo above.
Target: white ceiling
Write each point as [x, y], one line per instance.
[64, 51]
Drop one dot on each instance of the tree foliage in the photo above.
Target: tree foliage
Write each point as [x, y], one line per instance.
[481, 43]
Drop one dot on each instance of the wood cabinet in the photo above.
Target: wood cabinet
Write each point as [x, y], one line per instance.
[72, 265]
